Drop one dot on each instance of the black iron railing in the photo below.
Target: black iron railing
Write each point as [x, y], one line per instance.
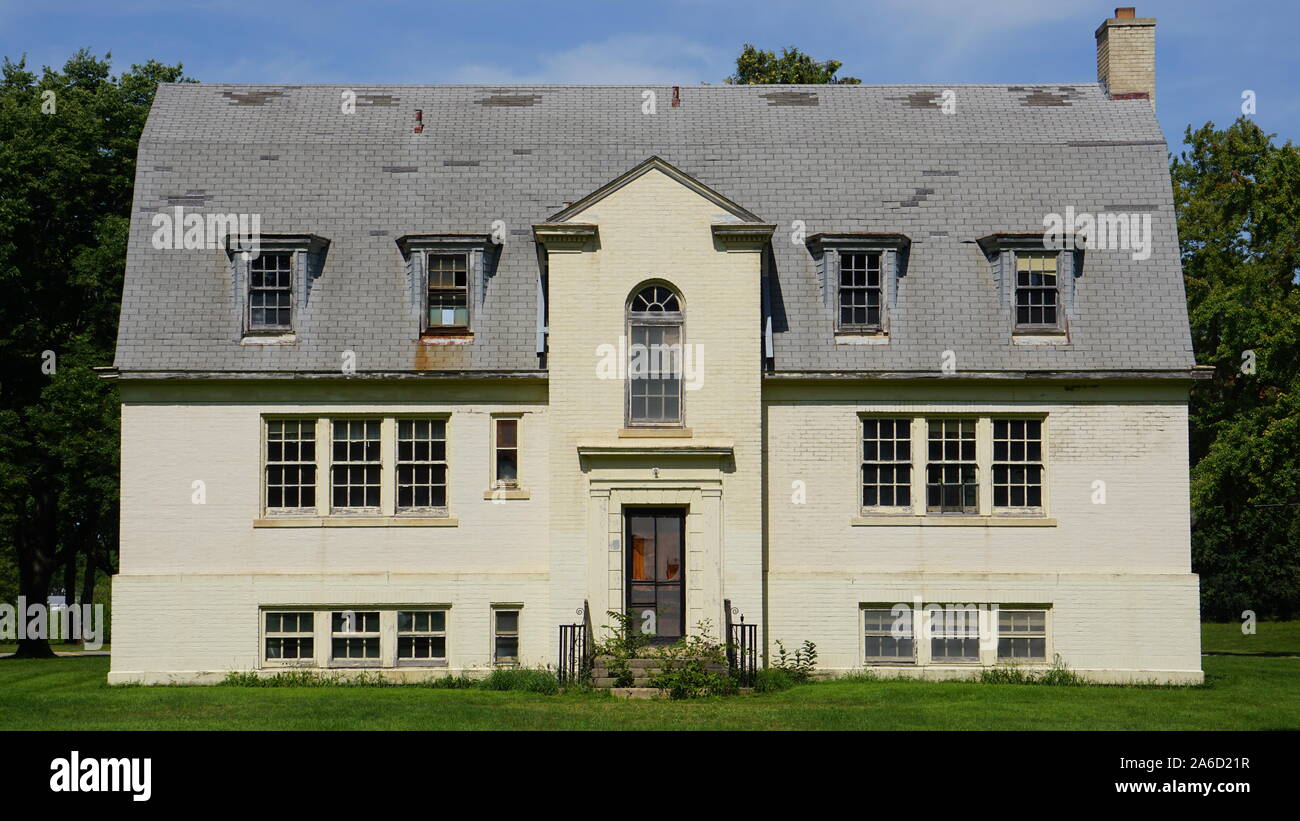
[742, 647]
[576, 641]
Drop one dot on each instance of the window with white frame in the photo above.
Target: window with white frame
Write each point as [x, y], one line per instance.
[421, 637]
[422, 466]
[505, 635]
[270, 293]
[1037, 295]
[291, 466]
[505, 462]
[355, 466]
[888, 637]
[289, 637]
[954, 635]
[861, 291]
[655, 364]
[354, 637]
[1018, 463]
[1022, 635]
[887, 463]
[952, 474]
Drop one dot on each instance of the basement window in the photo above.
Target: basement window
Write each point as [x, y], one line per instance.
[505, 632]
[421, 637]
[1022, 635]
[955, 636]
[884, 643]
[290, 637]
[354, 638]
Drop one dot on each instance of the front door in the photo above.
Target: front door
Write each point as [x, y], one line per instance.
[656, 572]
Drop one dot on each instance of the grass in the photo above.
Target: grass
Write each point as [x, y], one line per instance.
[1274, 638]
[70, 693]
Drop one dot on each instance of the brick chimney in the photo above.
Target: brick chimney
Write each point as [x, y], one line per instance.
[1126, 56]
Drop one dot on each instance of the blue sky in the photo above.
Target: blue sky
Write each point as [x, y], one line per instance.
[1207, 53]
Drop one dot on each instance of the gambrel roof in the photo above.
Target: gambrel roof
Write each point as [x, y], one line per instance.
[825, 159]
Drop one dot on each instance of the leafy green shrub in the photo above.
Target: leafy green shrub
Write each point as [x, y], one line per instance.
[523, 680]
[621, 644]
[800, 664]
[773, 680]
[685, 667]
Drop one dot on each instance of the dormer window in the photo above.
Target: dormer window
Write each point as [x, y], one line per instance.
[1037, 291]
[859, 276]
[1035, 280]
[447, 294]
[860, 291]
[448, 276]
[270, 293]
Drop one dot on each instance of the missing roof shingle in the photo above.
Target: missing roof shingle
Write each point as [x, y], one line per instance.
[509, 99]
[401, 169]
[251, 97]
[373, 100]
[162, 168]
[920, 99]
[460, 163]
[194, 198]
[791, 98]
[523, 151]
[378, 233]
[1132, 208]
[1039, 97]
[919, 196]
[269, 157]
[934, 173]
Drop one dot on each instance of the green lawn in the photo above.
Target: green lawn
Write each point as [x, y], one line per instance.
[70, 693]
[1270, 639]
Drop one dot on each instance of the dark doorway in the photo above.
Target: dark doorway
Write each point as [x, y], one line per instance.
[656, 572]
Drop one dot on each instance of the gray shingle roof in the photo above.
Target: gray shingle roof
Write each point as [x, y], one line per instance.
[838, 158]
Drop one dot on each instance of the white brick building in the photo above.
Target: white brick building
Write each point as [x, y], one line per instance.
[417, 431]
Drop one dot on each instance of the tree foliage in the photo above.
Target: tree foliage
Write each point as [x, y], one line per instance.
[67, 166]
[755, 67]
[1237, 195]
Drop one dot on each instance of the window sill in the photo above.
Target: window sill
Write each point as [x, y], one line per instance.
[655, 433]
[886, 520]
[457, 337]
[1040, 337]
[863, 338]
[269, 339]
[357, 521]
[494, 493]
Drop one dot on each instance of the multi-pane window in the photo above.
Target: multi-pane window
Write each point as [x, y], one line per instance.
[887, 463]
[290, 465]
[1022, 635]
[421, 636]
[421, 464]
[355, 465]
[1036, 289]
[354, 636]
[290, 637]
[955, 635]
[655, 366]
[270, 293]
[505, 628]
[1017, 463]
[861, 294]
[889, 637]
[951, 481]
[505, 467]
[448, 291]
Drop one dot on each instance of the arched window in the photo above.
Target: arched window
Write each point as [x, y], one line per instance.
[654, 371]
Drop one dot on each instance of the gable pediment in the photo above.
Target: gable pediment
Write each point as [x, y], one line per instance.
[733, 211]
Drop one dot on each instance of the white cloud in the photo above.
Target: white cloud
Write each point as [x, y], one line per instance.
[622, 59]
